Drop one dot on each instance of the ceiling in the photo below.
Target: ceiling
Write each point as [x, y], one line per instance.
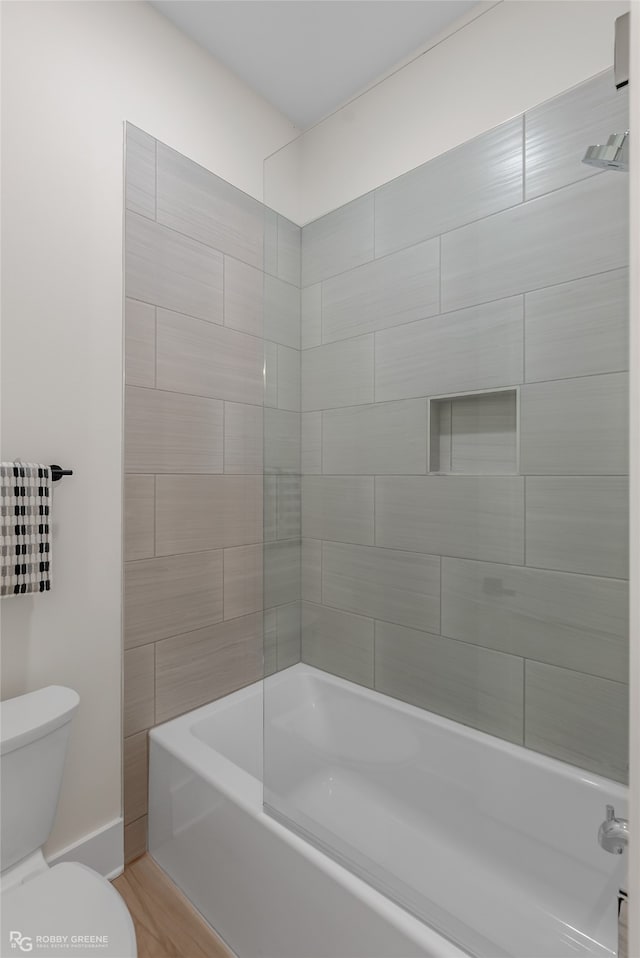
[308, 57]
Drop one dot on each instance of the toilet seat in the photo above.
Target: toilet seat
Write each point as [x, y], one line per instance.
[73, 900]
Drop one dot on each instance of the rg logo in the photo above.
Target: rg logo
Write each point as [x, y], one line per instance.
[20, 941]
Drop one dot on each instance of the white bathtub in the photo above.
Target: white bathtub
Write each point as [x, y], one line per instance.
[492, 844]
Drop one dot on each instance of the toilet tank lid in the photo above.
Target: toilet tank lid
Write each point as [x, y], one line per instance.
[28, 717]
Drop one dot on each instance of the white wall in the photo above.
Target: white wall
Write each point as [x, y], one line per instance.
[517, 54]
[71, 73]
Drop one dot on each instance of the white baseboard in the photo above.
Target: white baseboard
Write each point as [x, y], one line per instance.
[102, 850]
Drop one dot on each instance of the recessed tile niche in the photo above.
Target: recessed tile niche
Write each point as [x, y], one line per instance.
[474, 434]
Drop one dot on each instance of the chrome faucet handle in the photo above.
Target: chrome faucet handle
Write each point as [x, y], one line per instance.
[613, 834]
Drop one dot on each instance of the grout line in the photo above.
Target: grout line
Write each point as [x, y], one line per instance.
[440, 610]
[524, 696]
[524, 338]
[375, 483]
[440, 275]
[155, 185]
[155, 517]
[446, 312]
[508, 565]
[224, 293]
[464, 642]
[375, 636]
[155, 347]
[373, 238]
[224, 438]
[460, 226]
[524, 156]
[155, 682]
[212, 322]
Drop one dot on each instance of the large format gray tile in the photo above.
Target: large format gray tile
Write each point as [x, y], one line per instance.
[135, 839]
[270, 374]
[288, 378]
[311, 442]
[202, 666]
[476, 348]
[399, 587]
[243, 296]
[573, 232]
[575, 621]
[475, 686]
[338, 508]
[165, 596]
[135, 768]
[281, 442]
[140, 172]
[288, 627]
[242, 580]
[398, 289]
[558, 132]
[339, 374]
[474, 517]
[281, 312]
[385, 438]
[140, 343]
[475, 179]
[338, 241]
[575, 426]
[194, 513]
[242, 438]
[579, 328]
[166, 269]
[139, 517]
[138, 699]
[311, 570]
[281, 572]
[577, 718]
[289, 496]
[289, 251]
[269, 641]
[270, 244]
[578, 523]
[200, 204]
[208, 360]
[270, 507]
[169, 432]
[338, 642]
[311, 316]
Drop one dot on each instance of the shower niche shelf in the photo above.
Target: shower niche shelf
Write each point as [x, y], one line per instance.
[474, 434]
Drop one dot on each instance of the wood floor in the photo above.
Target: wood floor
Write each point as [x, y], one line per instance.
[167, 925]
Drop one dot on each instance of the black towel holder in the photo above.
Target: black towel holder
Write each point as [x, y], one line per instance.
[57, 472]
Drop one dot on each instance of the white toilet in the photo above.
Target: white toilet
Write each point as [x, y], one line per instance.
[69, 908]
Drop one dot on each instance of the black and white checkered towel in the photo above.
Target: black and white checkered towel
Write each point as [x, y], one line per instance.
[25, 540]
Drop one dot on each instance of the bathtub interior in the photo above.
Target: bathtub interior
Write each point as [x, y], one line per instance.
[489, 843]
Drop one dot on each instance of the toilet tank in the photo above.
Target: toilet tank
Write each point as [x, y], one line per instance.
[34, 730]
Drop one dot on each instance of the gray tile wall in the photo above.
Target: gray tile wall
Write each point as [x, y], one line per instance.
[212, 293]
[497, 600]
